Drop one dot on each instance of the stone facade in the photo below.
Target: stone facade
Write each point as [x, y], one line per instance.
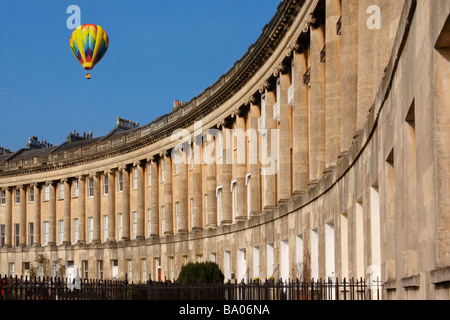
[323, 152]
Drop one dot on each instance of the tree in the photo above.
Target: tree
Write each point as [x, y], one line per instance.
[200, 273]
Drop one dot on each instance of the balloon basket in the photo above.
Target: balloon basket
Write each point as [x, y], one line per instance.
[88, 76]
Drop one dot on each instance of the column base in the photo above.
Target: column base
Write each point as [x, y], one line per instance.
[329, 169]
[343, 154]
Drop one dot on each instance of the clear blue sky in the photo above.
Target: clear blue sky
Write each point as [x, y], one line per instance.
[159, 51]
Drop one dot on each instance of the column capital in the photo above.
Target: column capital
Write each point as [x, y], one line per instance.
[153, 158]
[64, 180]
[264, 86]
[5, 188]
[49, 182]
[250, 99]
[94, 174]
[139, 163]
[21, 186]
[123, 167]
[110, 171]
[81, 177]
[165, 153]
[35, 184]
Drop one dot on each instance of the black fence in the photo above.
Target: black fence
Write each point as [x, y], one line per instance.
[20, 288]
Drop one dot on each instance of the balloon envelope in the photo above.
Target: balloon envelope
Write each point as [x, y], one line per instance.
[89, 44]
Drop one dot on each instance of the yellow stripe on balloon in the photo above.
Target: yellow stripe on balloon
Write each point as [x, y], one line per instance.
[79, 40]
[98, 42]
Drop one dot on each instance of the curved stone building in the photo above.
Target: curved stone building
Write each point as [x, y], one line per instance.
[323, 152]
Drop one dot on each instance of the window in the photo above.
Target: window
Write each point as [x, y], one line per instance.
[2, 197]
[130, 270]
[105, 228]
[16, 234]
[255, 262]
[135, 221]
[120, 181]
[149, 174]
[2, 235]
[227, 265]
[191, 165]
[212, 257]
[233, 199]
[172, 268]
[12, 269]
[17, 196]
[269, 262]
[149, 222]
[135, 178]
[105, 184]
[90, 229]
[91, 188]
[119, 225]
[75, 231]
[45, 233]
[60, 190]
[85, 267]
[177, 215]
[248, 182]
[206, 205]
[31, 194]
[115, 269]
[46, 193]
[177, 162]
[192, 212]
[75, 189]
[143, 270]
[163, 214]
[162, 170]
[219, 205]
[100, 269]
[60, 231]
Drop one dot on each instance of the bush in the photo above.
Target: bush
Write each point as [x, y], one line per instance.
[200, 273]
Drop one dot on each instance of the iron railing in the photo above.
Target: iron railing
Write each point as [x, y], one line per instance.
[20, 288]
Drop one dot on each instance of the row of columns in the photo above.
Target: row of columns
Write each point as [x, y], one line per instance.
[311, 135]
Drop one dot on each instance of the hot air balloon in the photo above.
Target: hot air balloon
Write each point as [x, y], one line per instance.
[89, 44]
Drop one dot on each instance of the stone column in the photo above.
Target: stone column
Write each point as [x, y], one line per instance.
[154, 197]
[241, 213]
[183, 190]
[52, 214]
[300, 124]
[67, 211]
[211, 210]
[226, 174]
[8, 218]
[255, 187]
[197, 177]
[23, 215]
[317, 106]
[365, 65]
[349, 73]
[96, 207]
[111, 205]
[140, 200]
[333, 85]
[285, 138]
[269, 181]
[82, 209]
[37, 215]
[125, 203]
[168, 195]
